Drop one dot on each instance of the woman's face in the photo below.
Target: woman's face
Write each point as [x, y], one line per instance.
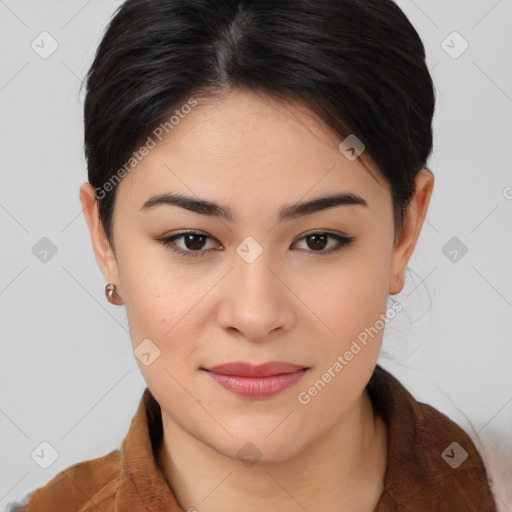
[252, 286]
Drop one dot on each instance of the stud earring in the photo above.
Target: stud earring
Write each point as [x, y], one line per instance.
[112, 295]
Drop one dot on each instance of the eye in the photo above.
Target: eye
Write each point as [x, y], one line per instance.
[319, 240]
[194, 242]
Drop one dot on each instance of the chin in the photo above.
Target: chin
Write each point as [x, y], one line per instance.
[259, 448]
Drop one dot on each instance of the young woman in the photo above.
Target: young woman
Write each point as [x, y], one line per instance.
[257, 186]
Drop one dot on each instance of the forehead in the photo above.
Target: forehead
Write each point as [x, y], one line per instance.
[243, 143]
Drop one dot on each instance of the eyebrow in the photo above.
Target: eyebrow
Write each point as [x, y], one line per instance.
[287, 212]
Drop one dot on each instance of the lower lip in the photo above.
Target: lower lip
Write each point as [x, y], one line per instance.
[258, 387]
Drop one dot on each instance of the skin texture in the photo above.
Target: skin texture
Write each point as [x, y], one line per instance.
[297, 302]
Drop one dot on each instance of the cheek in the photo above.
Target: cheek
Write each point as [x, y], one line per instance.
[166, 317]
[160, 301]
[354, 295]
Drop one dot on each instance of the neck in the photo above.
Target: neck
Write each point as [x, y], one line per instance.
[343, 469]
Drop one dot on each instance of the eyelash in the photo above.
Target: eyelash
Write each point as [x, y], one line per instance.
[168, 242]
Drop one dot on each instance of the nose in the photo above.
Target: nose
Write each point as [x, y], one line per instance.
[256, 303]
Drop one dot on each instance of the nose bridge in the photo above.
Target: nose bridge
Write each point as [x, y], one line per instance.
[252, 267]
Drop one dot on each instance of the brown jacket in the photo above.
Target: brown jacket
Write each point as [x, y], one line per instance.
[427, 469]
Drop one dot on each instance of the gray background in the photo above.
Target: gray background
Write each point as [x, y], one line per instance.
[68, 376]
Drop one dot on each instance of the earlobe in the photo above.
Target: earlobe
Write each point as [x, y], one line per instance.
[396, 283]
[412, 225]
[103, 252]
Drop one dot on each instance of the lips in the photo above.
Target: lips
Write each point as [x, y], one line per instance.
[241, 369]
[264, 380]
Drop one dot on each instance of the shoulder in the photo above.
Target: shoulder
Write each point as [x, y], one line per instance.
[454, 466]
[91, 483]
[433, 463]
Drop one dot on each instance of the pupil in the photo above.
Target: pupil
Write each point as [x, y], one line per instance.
[315, 238]
[191, 239]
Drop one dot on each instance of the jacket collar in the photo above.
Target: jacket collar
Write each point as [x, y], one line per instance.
[142, 485]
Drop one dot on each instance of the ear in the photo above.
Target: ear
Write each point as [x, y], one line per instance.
[413, 222]
[103, 252]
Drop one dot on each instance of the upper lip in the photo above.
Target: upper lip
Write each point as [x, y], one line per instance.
[243, 369]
